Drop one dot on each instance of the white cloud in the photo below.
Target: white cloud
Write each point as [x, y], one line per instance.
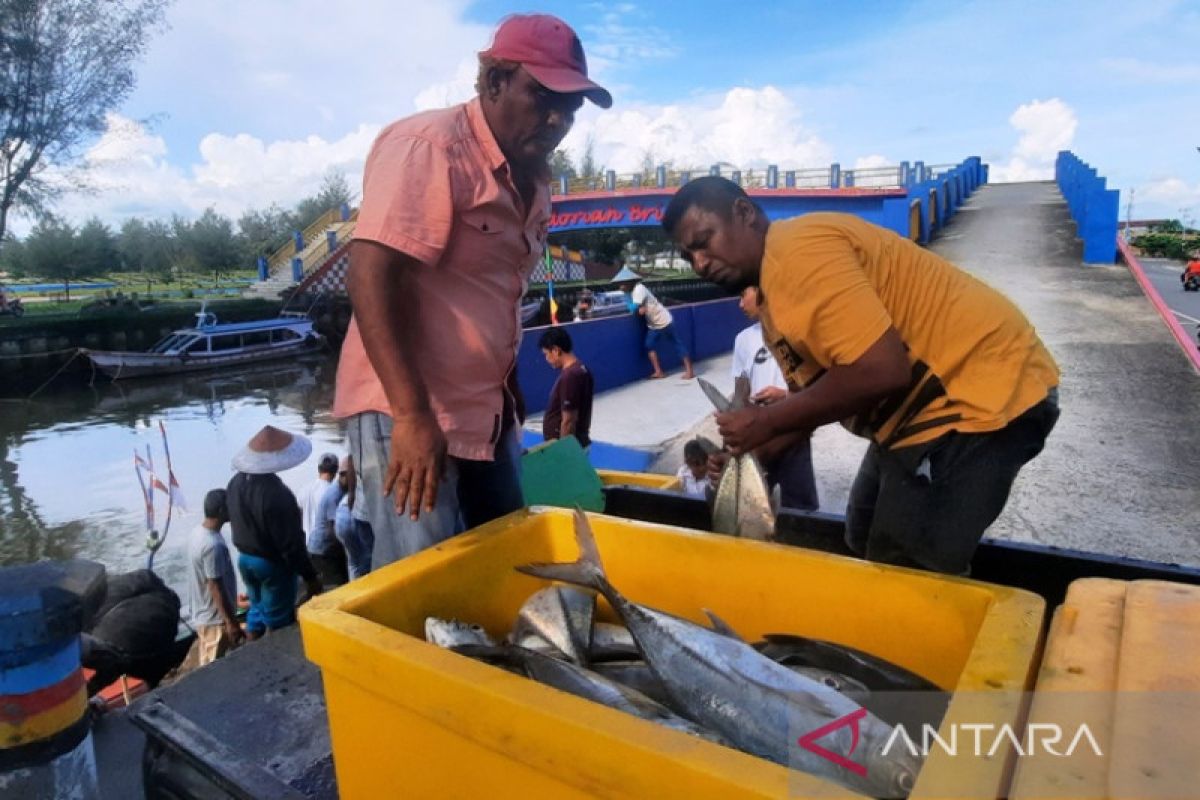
[128, 173]
[745, 127]
[1046, 127]
[873, 161]
[1167, 198]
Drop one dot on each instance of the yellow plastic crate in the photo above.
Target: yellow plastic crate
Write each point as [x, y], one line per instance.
[1122, 657]
[410, 719]
[648, 480]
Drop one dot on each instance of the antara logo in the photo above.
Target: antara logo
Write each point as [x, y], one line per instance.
[988, 739]
[809, 741]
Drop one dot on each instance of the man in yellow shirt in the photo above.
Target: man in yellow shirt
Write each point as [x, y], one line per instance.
[943, 374]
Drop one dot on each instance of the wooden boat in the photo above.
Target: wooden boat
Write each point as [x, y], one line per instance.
[211, 344]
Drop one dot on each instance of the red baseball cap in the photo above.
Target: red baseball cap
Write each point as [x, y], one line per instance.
[549, 51]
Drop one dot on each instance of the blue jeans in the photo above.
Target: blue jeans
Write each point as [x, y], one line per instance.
[472, 493]
[271, 587]
[357, 539]
[667, 334]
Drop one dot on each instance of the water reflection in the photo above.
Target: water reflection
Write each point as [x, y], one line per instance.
[67, 484]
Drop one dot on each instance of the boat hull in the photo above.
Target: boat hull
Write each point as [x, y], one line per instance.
[119, 365]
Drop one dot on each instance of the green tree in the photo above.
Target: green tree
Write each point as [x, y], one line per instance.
[52, 252]
[208, 244]
[561, 164]
[587, 164]
[96, 248]
[63, 65]
[12, 257]
[334, 192]
[264, 231]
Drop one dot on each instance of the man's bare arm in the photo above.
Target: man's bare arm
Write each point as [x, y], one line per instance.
[841, 392]
[567, 427]
[382, 287]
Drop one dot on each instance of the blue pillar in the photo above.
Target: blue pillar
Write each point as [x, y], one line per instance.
[262, 268]
[297, 270]
[46, 747]
[345, 212]
[772, 176]
[736, 177]
[684, 177]
[714, 170]
[331, 240]
[298, 240]
[789, 179]
[563, 184]
[835, 176]
[920, 170]
[660, 176]
[610, 180]
[905, 174]
[848, 178]
[637, 180]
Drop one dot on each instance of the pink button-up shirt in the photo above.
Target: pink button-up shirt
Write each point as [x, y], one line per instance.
[437, 188]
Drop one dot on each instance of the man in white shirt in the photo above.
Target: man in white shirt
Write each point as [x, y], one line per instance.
[212, 584]
[659, 321]
[758, 379]
[310, 498]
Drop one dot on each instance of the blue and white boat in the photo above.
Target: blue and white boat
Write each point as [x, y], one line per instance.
[211, 344]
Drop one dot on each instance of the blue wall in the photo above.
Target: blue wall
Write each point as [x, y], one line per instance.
[612, 348]
[1094, 208]
[888, 208]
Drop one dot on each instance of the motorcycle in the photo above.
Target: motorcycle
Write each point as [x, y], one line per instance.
[14, 307]
[1191, 283]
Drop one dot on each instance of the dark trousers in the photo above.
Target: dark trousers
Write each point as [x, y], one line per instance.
[792, 472]
[331, 566]
[927, 506]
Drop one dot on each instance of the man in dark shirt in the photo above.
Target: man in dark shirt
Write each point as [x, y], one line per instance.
[267, 532]
[570, 409]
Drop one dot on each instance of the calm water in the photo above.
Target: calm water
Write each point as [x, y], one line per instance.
[67, 483]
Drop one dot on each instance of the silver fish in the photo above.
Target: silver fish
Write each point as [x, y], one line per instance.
[589, 685]
[637, 675]
[562, 615]
[453, 632]
[742, 504]
[727, 686]
[611, 642]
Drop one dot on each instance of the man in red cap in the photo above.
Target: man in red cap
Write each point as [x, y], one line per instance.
[454, 216]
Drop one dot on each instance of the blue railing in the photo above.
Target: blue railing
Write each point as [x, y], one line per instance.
[1094, 208]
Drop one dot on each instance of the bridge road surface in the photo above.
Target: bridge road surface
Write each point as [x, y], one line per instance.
[1164, 274]
[1120, 474]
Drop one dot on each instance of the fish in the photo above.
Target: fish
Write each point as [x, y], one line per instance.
[742, 503]
[725, 685]
[875, 673]
[611, 642]
[589, 685]
[563, 616]
[638, 675]
[893, 693]
[452, 632]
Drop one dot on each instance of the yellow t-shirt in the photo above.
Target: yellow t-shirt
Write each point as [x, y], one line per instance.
[833, 284]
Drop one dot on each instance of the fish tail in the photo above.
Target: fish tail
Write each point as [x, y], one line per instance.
[588, 571]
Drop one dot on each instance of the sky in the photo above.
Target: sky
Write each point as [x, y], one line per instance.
[240, 105]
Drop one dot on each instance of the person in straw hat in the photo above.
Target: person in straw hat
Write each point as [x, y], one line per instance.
[267, 530]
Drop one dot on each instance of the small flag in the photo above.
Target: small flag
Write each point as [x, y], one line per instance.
[550, 289]
[176, 493]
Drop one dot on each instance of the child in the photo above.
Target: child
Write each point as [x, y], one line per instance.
[694, 472]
